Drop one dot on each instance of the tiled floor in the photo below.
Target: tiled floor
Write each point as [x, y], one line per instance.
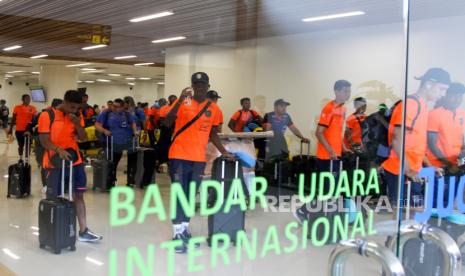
[18, 222]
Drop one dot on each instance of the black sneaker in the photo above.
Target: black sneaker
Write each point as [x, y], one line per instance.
[188, 236]
[300, 216]
[86, 236]
[100, 237]
[182, 248]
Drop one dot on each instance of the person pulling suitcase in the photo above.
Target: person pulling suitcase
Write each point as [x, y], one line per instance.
[60, 143]
[19, 175]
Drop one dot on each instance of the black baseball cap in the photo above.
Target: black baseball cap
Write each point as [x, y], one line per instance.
[212, 94]
[200, 77]
[438, 75]
[281, 102]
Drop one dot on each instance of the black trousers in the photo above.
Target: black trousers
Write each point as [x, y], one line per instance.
[151, 134]
[332, 166]
[21, 141]
[131, 168]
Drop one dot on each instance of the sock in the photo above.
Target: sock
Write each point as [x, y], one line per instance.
[177, 229]
[185, 226]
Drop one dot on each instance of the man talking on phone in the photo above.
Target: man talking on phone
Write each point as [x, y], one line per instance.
[58, 129]
[196, 121]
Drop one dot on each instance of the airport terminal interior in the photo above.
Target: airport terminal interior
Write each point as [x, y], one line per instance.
[342, 119]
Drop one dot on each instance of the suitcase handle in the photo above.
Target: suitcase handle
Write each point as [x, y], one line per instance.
[331, 166]
[27, 141]
[236, 175]
[302, 147]
[63, 168]
[135, 144]
[110, 148]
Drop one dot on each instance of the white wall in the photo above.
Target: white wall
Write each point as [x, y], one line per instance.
[12, 93]
[302, 69]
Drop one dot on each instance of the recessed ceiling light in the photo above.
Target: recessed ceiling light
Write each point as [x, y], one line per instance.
[36, 73]
[131, 83]
[152, 16]
[89, 81]
[77, 65]
[160, 83]
[88, 69]
[145, 78]
[11, 48]
[125, 57]
[333, 16]
[169, 39]
[103, 80]
[94, 47]
[130, 78]
[144, 64]
[39, 56]
[114, 75]
[13, 72]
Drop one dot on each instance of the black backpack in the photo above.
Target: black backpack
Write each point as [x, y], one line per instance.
[374, 133]
[33, 129]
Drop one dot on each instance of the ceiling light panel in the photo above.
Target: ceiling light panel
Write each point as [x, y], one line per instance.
[151, 16]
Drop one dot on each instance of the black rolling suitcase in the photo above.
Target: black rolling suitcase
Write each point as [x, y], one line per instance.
[302, 164]
[102, 168]
[57, 219]
[140, 169]
[322, 209]
[226, 171]
[19, 175]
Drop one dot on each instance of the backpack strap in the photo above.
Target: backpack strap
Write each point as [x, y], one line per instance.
[418, 110]
[51, 116]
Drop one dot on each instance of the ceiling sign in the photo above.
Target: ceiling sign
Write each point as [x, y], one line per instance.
[47, 30]
[100, 34]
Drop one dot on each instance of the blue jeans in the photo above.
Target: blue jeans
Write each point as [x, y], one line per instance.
[184, 172]
[392, 183]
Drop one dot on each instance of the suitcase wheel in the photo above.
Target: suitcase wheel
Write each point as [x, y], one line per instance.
[72, 248]
[57, 251]
[8, 196]
[42, 246]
